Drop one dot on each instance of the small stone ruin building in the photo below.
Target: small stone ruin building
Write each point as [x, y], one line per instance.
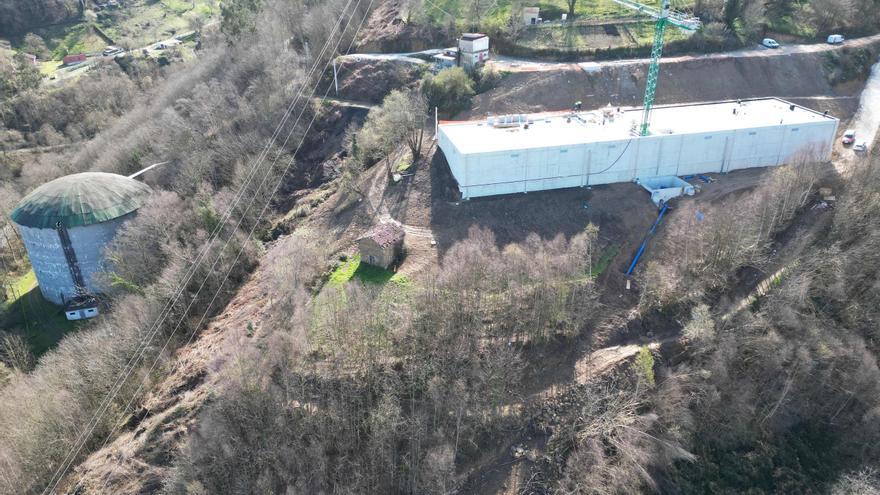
[382, 246]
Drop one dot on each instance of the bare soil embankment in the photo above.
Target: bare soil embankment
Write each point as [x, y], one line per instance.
[800, 77]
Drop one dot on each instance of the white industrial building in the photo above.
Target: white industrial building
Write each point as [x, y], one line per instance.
[522, 153]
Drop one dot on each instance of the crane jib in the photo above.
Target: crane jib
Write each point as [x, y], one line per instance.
[664, 15]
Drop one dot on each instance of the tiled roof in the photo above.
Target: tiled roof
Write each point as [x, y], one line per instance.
[385, 234]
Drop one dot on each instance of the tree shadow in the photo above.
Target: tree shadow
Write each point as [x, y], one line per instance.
[615, 208]
[372, 274]
[41, 323]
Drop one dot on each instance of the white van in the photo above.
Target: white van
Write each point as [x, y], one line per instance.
[835, 39]
[770, 43]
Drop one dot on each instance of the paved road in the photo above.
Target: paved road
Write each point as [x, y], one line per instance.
[411, 57]
[364, 105]
[525, 65]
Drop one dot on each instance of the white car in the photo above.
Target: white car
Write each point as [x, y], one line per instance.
[112, 50]
[770, 43]
[835, 39]
[860, 147]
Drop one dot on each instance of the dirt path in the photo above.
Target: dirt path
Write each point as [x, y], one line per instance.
[419, 242]
[601, 361]
[867, 118]
[759, 291]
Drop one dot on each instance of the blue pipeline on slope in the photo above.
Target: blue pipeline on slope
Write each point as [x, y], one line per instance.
[651, 232]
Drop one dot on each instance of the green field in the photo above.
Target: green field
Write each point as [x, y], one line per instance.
[26, 313]
[149, 22]
[70, 39]
[498, 12]
[134, 26]
[354, 269]
[584, 34]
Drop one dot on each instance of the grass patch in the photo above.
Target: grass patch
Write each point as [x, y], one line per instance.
[550, 10]
[643, 33]
[20, 287]
[354, 269]
[790, 25]
[146, 23]
[47, 68]
[604, 261]
[26, 313]
[71, 39]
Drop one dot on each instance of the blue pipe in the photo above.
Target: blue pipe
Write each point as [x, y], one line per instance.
[641, 251]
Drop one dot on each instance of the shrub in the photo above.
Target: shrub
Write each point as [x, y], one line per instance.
[488, 77]
[450, 90]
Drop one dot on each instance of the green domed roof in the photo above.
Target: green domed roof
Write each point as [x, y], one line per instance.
[80, 199]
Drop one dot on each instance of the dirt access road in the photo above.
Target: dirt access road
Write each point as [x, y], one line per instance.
[867, 118]
[512, 64]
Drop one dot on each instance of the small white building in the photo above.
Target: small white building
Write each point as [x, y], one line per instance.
[473, 49]
[81, 308]
[523, 153]
[446, 59]
[531, 15]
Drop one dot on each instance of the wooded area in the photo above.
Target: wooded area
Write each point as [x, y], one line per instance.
[19, 16]
[436, 381]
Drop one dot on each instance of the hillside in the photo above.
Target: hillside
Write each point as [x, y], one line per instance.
[17, 16]
[247, 345]
[555, 374]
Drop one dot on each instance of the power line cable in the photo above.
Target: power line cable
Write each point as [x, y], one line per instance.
[173, 300]
[259, 217]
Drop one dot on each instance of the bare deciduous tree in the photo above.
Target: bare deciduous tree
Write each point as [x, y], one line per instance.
[401, 118]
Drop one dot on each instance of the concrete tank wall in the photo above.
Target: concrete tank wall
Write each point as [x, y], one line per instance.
[50, 265]
[605, 162]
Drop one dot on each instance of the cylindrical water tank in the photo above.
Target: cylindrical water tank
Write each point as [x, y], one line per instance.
[90, 207]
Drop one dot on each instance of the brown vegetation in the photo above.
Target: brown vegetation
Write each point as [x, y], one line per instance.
[209, 121]
[431, 383]
[387, 391]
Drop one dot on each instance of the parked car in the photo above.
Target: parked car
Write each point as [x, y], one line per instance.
[835, 39]
[849, 137]
[112, 50]
[770, 43]
[861, 147]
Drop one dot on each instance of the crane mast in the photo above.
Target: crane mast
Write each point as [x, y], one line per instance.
[664, 15]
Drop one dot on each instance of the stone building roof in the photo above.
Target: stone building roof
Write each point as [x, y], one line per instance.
[385, 234]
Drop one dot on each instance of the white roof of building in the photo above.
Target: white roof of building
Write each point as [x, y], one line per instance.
[566, 128]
